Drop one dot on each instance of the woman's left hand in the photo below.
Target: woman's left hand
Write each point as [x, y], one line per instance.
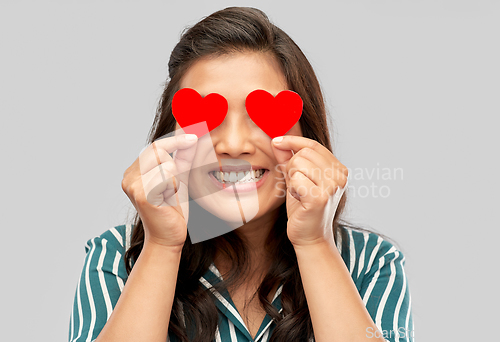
[315, 181]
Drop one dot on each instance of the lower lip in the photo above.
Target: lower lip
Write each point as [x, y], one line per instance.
[243, 187]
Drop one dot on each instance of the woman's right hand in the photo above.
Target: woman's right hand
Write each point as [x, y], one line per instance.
[163, 211]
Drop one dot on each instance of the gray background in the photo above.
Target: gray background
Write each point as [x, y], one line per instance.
[410, 85]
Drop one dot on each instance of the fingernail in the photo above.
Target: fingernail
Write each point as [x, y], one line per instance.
[277, 140]
[191, 137]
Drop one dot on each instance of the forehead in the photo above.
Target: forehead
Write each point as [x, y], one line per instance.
[235, 74]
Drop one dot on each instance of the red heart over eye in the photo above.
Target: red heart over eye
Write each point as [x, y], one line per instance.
[189, 108]
[274, 115]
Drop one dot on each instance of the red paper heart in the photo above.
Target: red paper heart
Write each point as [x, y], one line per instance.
[274, 115]
[189, 108]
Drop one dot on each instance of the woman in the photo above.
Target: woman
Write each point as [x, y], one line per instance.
[293, 272]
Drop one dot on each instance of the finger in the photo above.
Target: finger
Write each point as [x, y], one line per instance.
[282, 157]
[299, 186]
[180, 201]
[296, 143]
[322, 170]
[176, 142]
[183, 159]
[183, 156]
[159, 183]
[158, 151]
[299, 164]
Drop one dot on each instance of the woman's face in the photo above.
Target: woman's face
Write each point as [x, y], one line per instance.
[238, 141]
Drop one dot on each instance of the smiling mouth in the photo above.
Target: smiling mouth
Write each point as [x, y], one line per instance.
[239, 177]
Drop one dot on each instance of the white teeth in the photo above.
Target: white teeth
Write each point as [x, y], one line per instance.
[232, 177]
[238, 177]
[248, 177]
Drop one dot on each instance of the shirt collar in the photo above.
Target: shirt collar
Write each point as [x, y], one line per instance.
[226, 306]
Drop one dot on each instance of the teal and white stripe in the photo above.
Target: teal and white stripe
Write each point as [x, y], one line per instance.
[375, 265]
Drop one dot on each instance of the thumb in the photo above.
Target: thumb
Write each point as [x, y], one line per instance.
[282, 157]
[184, 156]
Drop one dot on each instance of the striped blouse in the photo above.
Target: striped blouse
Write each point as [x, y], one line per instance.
[375, 265]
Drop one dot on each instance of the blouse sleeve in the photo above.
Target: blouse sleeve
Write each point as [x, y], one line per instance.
[100, 285]
[385, 293]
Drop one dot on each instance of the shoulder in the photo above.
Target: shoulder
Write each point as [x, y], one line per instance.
[377, 268]
[117, 238]
[365, 252]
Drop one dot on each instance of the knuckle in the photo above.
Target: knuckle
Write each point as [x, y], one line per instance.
[141, 201]
[297, 175]
[341, 169]
[312, 144]
[125, 184]
[343, 182]
[126, 172]
[168, 166]
[345, 171]
[295, 161]
[305, 151]
[132, 190]
[339, 173]
[139, 196]
[328, 173]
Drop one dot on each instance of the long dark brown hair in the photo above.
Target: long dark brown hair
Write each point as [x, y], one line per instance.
[240, 29]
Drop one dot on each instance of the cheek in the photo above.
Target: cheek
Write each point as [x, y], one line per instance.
[276, 189]
[276, 194]
[295, 130]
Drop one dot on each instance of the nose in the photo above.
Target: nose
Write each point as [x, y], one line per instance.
[233, 136]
